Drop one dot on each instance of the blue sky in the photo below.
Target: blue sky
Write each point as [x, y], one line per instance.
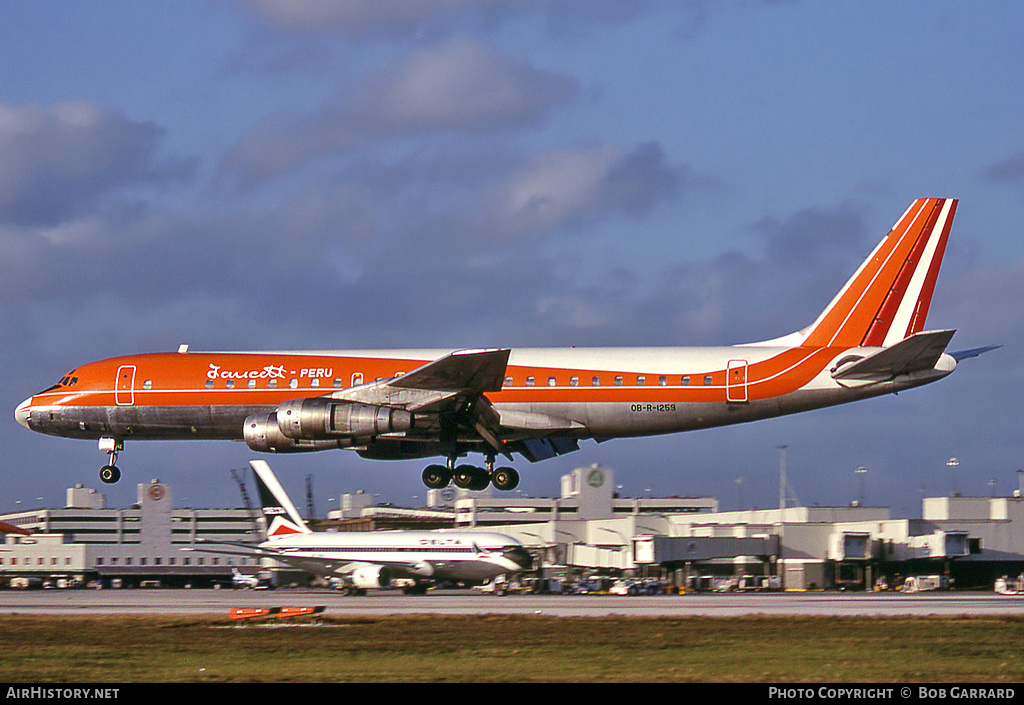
[312, 174]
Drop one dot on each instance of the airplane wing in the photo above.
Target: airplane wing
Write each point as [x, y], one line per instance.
[455, 383]
[432, 387]
[311, 564]
[918, 352]
[465, 370]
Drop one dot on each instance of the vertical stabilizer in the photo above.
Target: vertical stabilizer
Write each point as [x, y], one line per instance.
[887, 299]
[281, 516]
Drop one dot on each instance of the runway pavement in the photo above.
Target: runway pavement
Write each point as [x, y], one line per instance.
[166, 601]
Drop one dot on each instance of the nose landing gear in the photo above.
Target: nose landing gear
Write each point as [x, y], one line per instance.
[110, 473]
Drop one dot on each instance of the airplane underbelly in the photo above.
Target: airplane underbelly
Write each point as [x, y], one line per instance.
[607, 419]
[467, 570]
[144, 422]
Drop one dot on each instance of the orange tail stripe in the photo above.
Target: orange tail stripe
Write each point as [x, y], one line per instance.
[849, 319]
[887, 313]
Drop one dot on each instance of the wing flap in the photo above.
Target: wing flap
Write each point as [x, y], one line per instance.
[537, 449]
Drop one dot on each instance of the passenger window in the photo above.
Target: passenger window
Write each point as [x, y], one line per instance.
[574, 381]
[251, 384]
[640, 380]
[686, 380]
[293, 383]
[618, 380]
[707, 380]
[508, 382]
[337, 382]
[315, 382]
[209, 384]
[596, 381]
[148, 384]
[231, 384]
[272, 384]
[663, 380]
[552, 381]
[529, 381]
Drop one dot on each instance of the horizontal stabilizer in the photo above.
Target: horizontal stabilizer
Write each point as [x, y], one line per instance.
[973, 352]
[920, 351]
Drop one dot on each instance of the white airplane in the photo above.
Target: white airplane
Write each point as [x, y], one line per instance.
[241, 580]
[372, 559]
[535, 402]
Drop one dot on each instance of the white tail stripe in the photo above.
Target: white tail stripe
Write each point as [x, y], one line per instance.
[900, 327]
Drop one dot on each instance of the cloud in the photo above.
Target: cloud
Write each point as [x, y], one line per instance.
[1009, 169]
[569, 188]
[58, 162]
[460, 85]
[355, 18]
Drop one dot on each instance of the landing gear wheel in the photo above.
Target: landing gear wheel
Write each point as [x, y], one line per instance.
[463, 476]
[436, 477]
[481, 479]
[110, 474]
[469, 477]
[505, 479]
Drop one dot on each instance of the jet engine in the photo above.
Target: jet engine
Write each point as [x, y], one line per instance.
[320, 418]
[371, 576]
[262, 433]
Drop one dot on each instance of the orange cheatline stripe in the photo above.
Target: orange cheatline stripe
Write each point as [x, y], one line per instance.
[779, 374]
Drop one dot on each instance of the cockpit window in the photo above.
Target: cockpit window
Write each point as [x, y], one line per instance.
[68, 380]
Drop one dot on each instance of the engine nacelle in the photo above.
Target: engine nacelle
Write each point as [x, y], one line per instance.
[320, 418]
[262, 433]
[371, 576]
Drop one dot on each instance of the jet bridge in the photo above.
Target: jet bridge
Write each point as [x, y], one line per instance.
[676, 551]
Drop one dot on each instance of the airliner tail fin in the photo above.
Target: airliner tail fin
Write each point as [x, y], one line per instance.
[887, 299]
[281, 516]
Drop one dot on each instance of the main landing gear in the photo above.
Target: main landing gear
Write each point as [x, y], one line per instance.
[111, 446]
[470, 477]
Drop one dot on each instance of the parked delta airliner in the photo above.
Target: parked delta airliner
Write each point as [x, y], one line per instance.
[372, 559]
[534, 402]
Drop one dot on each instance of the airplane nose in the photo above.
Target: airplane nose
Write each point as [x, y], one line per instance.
[22, 411]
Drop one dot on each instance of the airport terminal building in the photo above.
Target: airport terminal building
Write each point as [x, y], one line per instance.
[586, 530]
[87, 542]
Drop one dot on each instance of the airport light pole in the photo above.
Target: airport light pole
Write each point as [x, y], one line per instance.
[861, 472]
[953, 464]
[782, 479]
[780, 562]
